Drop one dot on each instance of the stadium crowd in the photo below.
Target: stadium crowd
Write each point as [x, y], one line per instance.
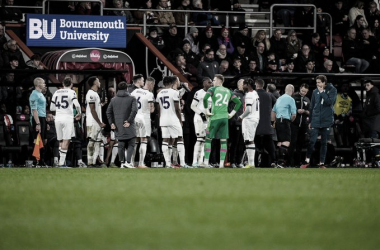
[205, 56]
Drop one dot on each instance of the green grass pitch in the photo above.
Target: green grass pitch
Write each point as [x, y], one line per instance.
[284, 209]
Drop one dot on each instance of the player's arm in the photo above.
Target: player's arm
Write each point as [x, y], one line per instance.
[53, 108]
[78, 108]
[205, 102]
[237, 102]
[293, 110]
[178, 110]
[95, 115]
[248, 110]
[132, 116]
[194, 107]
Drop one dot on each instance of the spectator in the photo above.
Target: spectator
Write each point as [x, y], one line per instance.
[325, 56]
[138, 82]
[272, 67]
[359, 25]
[156, 39]
[371, 112]
[293, 45]
[321, 118]
[285, 14]
[260, 57]
[224, 38]
[253, 67]
[315, 45]
[284, 113]
[13, 50]
[208, 37]
[164, 17]
[242, 36]
[10, 14]
[236, 69]
[376, 30]
[303, 57]
[187, 70]
[261, 37]
[202, 18]
[357, 9]
[13, 63]
[35, 62]
[224, 68]
[353, 52]
[121, 114]
[310, 67]
[340, 18]
[323, 25]
[97, 6]
[289, 66]
[189, 55]
[304, 17]
[272, 89]
[372, 13]
[278, 46]
[209, 67]
[243, 55]
[221, 54]
[370, 50]
[118, 4]
[171, 39]
[83, 8]
[299, 127]
[3, 40]
[180, 17]
[151, 16]
[192, 37]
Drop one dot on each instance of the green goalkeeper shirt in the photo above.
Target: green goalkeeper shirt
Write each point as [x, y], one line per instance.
[220, 97]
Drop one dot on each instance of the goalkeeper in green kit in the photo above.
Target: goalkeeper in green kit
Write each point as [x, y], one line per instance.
[218, 124]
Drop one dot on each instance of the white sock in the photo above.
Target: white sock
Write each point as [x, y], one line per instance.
[307, 160]
[175, 154]
[165, 151]
[221, 165]
[170, 152]
[101, 152]
[62, 156]
[142, 152]
[202, 152]
[96, 152]
[80, 161]
[181, 152]
[251, 149]
[56, 159]
[90, 152]
[197, 148]
[115, 151]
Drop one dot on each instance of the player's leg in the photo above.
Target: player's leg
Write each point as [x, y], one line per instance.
[249, 131]
[180, 146]
[223, 135]
[165, 146]
[210, 134]
[200, 133]
[114, 153]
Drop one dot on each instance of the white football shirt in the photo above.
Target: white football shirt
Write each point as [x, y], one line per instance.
[252, 99]
[62, 103]
[144, 98]
[94, 98]
[166, 99]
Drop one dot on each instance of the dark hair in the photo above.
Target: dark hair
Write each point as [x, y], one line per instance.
[91, 81]
[167, 80]
[307, 61]
[271, 87]
[220, 77]
[358, 17]
[137, 77]
[323, 78]
[122, 85]
[315, 35]
[304, 85]
[208, 51]
[260, 82]
[368, 81]
[67, 81]
[36, 57]
[250, 82]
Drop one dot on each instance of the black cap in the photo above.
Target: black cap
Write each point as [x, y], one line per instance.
[243, 26]
[272, 62]
[241, 45]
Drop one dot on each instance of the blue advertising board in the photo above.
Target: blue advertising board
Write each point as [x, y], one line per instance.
[76, 31]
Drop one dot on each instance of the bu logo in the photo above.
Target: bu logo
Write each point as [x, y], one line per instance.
[37, 29]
